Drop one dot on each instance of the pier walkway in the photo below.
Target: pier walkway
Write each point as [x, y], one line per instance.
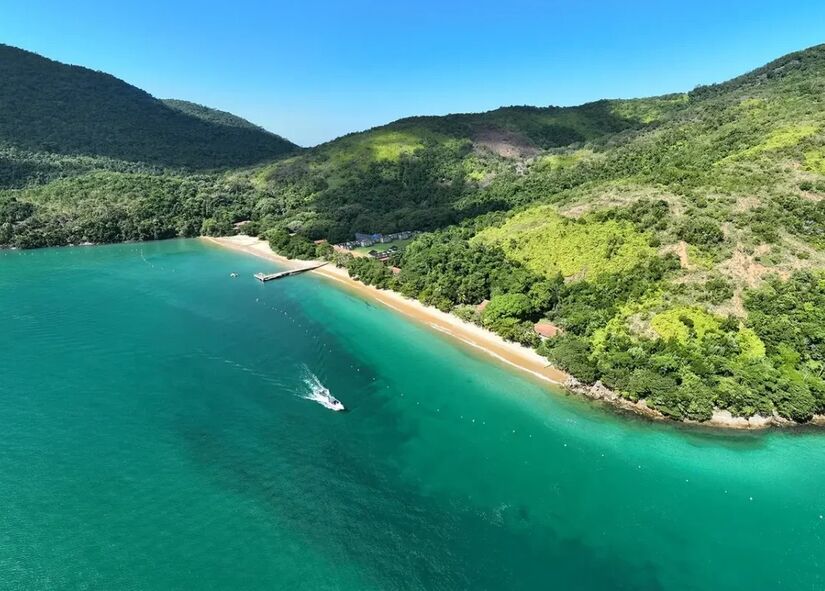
[264, 277]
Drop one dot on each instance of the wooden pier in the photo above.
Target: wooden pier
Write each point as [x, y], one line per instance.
[264, 277]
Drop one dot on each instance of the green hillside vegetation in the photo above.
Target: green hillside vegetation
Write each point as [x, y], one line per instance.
[53, 108]
[105, 207]
[719, 192]
[678, 241]
[424, 172]
[213, 116]
[549, 244]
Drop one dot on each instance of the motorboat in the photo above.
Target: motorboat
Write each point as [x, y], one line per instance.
[325, 398]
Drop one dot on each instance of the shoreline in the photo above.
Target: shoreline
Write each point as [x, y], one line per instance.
[514, 355]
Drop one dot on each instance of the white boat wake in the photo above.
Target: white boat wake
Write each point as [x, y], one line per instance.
[320, 394]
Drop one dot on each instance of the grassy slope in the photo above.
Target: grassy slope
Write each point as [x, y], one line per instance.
[741, 157]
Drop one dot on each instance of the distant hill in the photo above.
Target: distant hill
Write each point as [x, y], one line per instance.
[209, 115]
[50, 107]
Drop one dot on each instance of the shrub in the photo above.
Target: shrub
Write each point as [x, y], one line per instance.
[510, 305]
[700, 231]
[572, 354]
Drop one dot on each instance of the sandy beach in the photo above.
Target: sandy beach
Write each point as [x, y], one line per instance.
[512, 354]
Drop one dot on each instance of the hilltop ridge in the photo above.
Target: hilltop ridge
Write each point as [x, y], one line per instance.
[54, 108]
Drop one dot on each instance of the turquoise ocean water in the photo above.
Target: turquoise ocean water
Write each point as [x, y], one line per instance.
[154, 435]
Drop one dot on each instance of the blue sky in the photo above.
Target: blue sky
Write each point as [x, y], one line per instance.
[314, 70]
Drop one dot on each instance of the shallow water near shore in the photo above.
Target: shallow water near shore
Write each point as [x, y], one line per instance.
[155, 434]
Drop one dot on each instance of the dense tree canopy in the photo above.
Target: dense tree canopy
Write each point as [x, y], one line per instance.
[53, 108]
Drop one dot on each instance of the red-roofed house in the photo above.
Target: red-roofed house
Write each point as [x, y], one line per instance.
[547, 330]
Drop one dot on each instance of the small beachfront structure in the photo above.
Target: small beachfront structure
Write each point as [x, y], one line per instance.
[547, 330]
[364, 240]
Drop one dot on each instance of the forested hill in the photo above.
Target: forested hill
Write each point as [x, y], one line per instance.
[429, 172]
[213, 116]
[50, 107]
[676, 244]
